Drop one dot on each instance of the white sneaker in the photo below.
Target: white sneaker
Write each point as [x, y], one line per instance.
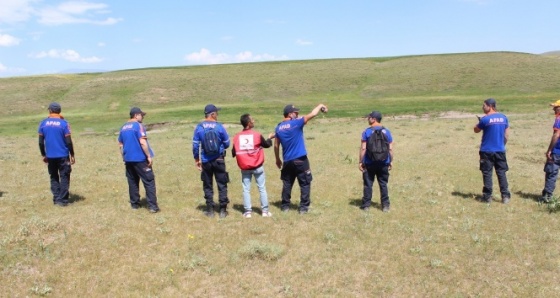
[266, 214]
[247, 214]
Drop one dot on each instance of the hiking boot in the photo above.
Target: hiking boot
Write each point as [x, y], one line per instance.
[486, 200]
[61, 204]
[154, 210]
[303, 211]
[365, 209]
[505, 200]
[209, 213]
[223, 213]
[386, 209]
[247, 214]
[285, 208]
[545, 199]
[266, 213]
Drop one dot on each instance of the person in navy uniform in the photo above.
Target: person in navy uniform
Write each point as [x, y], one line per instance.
[495, 133]
[138, 159]
[289, 134]
[371, 169]
[55, 144]
[552, 154]
[212, 164]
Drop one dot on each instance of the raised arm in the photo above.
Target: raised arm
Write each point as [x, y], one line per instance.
[320, 108]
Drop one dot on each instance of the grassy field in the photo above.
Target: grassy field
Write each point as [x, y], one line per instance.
[436, 241]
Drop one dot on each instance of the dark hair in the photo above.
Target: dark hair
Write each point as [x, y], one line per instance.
[245, 119]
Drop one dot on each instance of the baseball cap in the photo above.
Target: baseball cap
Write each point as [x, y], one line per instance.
[210, 109]
[375, 114]
[55, 107]
[555, 104]
[135, 111]
[290, 109]
[490, 102]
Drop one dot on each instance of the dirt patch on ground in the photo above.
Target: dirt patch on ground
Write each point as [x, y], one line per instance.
[157, 125]
[444, 115]
[456, 115]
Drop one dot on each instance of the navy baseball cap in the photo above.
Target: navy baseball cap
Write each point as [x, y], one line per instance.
[375, 114]
[290, 109]
[211, 109]
[490, 102]
[55, 107]
[135, 111]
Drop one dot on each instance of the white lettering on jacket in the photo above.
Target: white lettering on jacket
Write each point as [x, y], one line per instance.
[497, 120]
[52, 123]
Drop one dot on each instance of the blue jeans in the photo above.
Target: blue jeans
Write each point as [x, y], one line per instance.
[246, 176]
[551, 173]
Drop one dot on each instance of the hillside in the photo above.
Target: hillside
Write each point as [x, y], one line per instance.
[399, 84]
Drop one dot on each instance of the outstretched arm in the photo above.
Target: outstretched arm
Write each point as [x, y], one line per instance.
[320, 108]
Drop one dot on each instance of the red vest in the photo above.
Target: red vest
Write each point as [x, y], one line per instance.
[248, 150]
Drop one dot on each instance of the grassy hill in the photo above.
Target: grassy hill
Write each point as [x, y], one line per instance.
[396, 85]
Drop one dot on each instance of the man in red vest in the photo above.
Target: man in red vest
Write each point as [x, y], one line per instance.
[248, 150]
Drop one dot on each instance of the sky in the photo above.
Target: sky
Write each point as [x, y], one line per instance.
[51, 36]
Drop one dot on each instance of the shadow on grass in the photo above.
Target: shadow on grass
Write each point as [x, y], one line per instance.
[202, 207]
[278, 204]
[467, 195]
[73, 198]
[238, 207]
[528, 196]
[2, 193]
[241, 208]
[471, 195]
[358, 203]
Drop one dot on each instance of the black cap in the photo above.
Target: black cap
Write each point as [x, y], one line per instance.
[490, 102]
[55, 107]
[375, 114]
[290, 109]
[210, 109]
[135, 111]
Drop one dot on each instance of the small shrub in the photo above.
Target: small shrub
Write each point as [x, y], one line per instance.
[258, 250]
[195, 262]
[553, 205]
[41, 291]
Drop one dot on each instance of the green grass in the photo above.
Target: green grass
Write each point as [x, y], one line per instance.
[397, 85]
[436, 241]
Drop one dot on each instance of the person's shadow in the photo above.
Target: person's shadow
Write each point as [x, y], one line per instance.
[2, 193]
[73, 198]
[467, 195]
[528, 196]
[278, 204]
[239, 207]
[358, 203]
